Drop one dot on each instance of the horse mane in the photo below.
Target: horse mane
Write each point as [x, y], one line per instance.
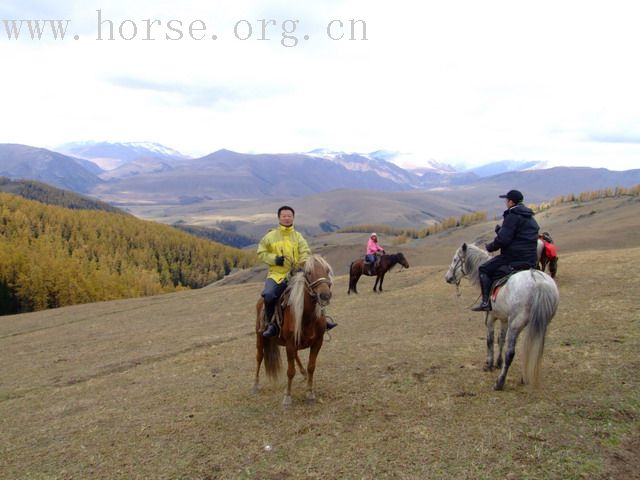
[474, 257]
[298, 289]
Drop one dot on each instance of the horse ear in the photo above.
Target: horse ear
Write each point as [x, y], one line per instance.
[464, 247]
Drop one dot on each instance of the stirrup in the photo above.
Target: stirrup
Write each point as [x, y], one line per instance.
[482, 307]
[271, 330]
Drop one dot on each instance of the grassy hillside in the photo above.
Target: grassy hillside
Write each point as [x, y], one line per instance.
[52, 256]
[159, 387]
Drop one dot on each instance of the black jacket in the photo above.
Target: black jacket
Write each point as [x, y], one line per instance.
[517, 238]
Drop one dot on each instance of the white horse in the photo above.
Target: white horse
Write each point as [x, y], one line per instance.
[529, 297]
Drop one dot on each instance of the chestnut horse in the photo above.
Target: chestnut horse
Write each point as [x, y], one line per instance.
[385, 263]
[303, 325]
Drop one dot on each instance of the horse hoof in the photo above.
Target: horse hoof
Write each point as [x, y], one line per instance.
[311, 399]
[287, 401]
[255, 389]
[487, 368]
[498, 386]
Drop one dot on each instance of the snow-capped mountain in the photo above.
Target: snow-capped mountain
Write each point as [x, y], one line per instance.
[367, 163]
[110, 155]
[503, 166]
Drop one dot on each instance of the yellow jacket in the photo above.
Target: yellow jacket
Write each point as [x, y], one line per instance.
[283, 241]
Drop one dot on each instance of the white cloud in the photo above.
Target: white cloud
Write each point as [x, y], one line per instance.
[458, 82]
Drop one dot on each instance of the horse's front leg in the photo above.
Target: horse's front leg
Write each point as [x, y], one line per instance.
[381, 280]
[375, 285]
[291, 372]
[303, 372]
[512, 336]
[490, 320]
[311, 367]
[503, 336]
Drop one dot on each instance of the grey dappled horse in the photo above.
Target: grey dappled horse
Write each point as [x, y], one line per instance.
[530, 297]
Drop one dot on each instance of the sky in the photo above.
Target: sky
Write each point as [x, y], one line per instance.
[459, 82]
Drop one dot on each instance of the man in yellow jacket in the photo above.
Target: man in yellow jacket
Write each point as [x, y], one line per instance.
[282, 249]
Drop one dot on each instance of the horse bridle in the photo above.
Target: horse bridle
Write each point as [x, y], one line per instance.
[459, 263]
[311, 286]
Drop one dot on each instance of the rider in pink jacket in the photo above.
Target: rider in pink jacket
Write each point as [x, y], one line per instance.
[373, 247]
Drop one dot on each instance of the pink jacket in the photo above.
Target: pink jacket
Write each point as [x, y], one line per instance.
[373, 247]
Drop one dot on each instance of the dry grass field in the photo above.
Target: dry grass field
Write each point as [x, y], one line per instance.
[159, 387]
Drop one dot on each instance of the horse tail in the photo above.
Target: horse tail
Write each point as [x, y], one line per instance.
[543, 307]
[272, 364]
[351, 276]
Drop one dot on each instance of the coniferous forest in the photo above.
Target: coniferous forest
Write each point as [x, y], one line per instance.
[52, 256]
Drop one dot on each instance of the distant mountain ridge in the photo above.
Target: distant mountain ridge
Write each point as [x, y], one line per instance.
[110, 155]
[225, 175]
[31, 163]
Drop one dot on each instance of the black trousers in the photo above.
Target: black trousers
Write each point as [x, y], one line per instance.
[497, 267]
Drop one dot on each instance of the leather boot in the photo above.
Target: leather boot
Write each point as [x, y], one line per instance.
[485, 286]
[272, 327]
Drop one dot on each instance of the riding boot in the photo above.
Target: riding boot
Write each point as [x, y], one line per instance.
[485, 286]
[272, 326]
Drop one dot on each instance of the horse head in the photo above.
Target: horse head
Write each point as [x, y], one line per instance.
[318, 276]
[402, 261]
[456, 269]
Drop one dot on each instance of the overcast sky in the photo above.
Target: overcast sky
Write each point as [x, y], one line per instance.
[459, 82]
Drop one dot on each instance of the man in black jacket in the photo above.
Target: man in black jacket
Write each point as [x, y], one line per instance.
[517, 240]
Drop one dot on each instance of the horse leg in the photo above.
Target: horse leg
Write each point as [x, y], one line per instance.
[381, 280]
[291, 371]
[488, 366]
[503, 336]
[375, 285]
[311, 367]
[303, 372]
[553, 267]
[512, 336]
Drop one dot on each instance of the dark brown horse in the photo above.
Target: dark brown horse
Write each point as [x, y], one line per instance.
[303, 325]
[544, 260]
[385, 263]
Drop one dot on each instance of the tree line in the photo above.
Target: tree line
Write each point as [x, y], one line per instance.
[51, 256]
[404, 234]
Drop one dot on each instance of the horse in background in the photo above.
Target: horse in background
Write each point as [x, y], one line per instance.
[529, 298]
[547, 254]
[386, 263]
[303, 325]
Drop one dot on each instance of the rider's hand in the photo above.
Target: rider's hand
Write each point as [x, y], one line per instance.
[497, 229]
[280, 260]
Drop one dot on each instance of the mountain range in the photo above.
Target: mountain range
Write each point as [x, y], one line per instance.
[159, 182]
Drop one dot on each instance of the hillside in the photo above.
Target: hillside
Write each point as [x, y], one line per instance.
[158, 387]
[30, 163]
[52, 256]
[43, 193]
